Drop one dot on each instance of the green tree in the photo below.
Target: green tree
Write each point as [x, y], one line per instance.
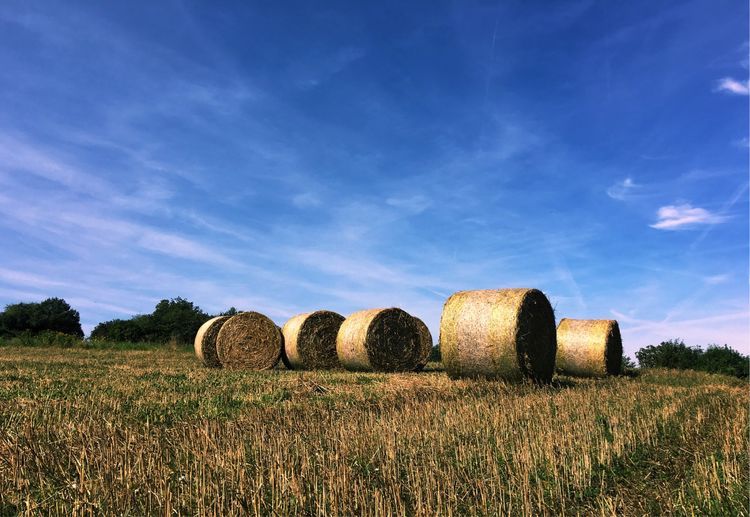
[676, 354]
[134, 330]
[669, 354]
[627, 364]
[722, 359]
[172, 320]
[176, 319]
[52, 314]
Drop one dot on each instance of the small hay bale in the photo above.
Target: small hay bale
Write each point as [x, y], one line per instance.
[505, 334]
[382, 340]
[310, 340]
[249, 340]
[205, 341]
[425, 338]
[589, 348]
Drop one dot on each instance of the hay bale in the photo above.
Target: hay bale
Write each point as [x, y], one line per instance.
[383, 340]
[505, 334]
[425, 339]
[310, 340]
[589, 348]
[249, 340]
[205, 341]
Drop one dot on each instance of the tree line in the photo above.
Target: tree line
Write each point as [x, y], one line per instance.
[177, 320]
[172, 321]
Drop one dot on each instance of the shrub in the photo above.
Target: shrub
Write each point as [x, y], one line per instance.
[176, 320]
[669, 354]
[676, 354]
[31, 319]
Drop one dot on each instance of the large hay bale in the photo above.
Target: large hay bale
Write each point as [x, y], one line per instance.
[249, 340]
[383, 340]
[310, 340]
[205, 341]
[589, 348]
[425, 340]
[505, 334]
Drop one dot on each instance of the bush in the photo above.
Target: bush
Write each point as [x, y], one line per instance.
[176, 320]
[627, 364]
[134, 330]
[32, 319]
[722, 359]
[45, 338]
[669, 354]
[676, 354]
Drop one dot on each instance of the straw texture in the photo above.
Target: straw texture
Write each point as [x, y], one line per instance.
[506, 334]
[589, 348]
[384, 340]
[425, 339]
[205, 341]
[310, 340]
[249, 340]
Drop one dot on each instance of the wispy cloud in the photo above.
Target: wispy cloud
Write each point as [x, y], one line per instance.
[695, 331]
[306, 200]
[717, 279]
[733, 86]
[679, 217]
[414, 204]
[623, 190]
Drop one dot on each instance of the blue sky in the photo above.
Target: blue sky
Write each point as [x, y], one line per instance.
[288, 157]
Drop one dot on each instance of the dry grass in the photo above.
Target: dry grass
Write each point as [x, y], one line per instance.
[137, 433]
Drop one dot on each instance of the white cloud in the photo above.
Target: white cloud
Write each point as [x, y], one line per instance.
[716, 279]
[723, 328]
[623, 190]
[677, 217]
[306, 200]
[729, 85]
[414, 204]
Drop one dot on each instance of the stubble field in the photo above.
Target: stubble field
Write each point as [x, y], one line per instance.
[150, 432]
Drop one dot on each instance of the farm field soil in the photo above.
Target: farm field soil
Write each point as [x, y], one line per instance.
[152, 432]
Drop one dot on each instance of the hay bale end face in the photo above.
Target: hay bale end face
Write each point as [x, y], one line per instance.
[205, 341]
[249, 340]
[589, 348]
[310, 340]
[505, 334]
[383, 340]
[425, 339]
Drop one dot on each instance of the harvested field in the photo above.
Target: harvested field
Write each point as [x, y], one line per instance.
[146, 432]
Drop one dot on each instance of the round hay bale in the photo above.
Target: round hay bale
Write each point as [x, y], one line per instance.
[505, 334]
[205, 341]
[382, 340]
[249, 340]
[589, 348]
[310, 340]
[425, 339]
